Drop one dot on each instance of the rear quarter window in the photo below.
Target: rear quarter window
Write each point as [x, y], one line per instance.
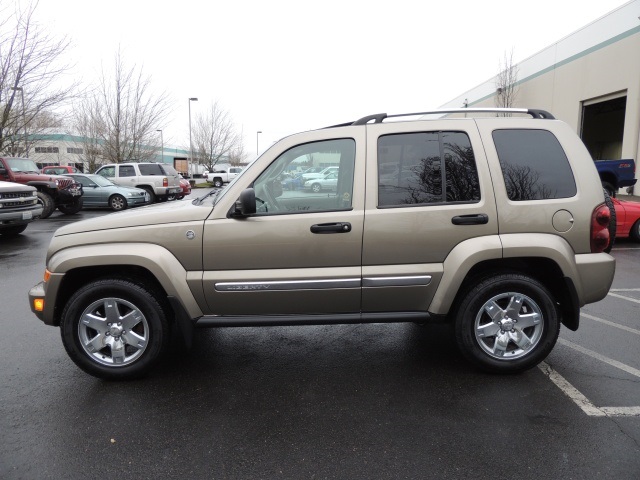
[150, 169]
[534, 165]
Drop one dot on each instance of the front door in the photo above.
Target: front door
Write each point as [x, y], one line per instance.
[301, 252]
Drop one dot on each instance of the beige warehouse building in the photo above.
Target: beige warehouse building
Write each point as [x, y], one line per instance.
[589, 79]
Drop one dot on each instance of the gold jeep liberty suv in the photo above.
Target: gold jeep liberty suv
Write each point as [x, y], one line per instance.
[496, 224]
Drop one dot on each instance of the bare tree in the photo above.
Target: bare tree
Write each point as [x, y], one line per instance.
[90, 128]
[506, 82]
[125, 114]
[30, 69]
[215, 138]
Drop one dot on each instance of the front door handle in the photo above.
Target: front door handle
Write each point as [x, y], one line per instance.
[477, 219]
[339, 227]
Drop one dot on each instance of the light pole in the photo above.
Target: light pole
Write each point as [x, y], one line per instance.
[24, 121]
[258, 142]
[192, 99]
[161, 146]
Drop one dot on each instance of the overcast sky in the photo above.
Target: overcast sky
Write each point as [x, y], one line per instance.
[286, 66]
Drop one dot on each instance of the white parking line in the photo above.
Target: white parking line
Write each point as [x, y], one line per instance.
[571, 392]
[578, 398]
[614, 363]
[611, 324]
[624, 289]
[623, 297]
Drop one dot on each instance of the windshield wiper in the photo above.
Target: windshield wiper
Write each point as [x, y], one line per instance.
[212, 193]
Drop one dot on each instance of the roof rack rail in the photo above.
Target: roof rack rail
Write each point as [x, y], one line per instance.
[535, 113]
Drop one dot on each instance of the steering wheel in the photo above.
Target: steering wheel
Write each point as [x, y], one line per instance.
[270, 191]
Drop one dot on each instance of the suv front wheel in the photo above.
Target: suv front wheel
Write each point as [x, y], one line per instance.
[507, 323]
[114, 329]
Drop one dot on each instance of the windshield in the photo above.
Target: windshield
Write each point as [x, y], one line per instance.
[235, 179]
[22, 165]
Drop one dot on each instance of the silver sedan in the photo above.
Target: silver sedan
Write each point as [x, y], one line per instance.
[102, 193]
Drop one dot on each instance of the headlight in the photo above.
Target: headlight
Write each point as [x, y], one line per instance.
[129, 194]
[34, 193]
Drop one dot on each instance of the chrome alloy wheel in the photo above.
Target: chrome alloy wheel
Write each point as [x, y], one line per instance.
[113, 332]
[509, 326]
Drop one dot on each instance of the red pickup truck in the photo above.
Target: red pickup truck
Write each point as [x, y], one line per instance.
[54, 191]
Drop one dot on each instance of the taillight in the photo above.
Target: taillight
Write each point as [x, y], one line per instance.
[600, 229]
[165, 182]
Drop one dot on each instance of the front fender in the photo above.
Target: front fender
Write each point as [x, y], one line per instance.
[164, 266]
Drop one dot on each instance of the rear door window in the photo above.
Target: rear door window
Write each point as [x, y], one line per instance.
[534, 165]
[426, 168]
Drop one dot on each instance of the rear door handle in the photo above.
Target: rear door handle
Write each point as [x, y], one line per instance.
[339, 227]
[478, 219]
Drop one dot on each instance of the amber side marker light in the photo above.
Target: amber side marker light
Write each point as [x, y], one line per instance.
[47, 275]
[38, 304]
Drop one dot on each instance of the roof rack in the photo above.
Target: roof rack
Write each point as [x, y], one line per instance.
[379, 117]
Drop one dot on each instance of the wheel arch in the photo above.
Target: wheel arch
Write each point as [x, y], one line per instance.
[149, 264]
[547, 258]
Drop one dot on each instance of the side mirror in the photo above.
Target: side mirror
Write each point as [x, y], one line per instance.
[246, 204]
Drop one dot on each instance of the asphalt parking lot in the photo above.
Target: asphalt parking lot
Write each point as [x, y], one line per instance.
[351, 401]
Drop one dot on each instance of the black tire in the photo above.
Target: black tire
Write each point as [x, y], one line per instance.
[139, 340]
[152, 194]
[217, 182]
[316, 188]
[72, 208]
[179, 197]
[48, 206]
[13, 231]
[521, 331]
[610, 189]
[117, 202]
[634, 233]
[613, 225]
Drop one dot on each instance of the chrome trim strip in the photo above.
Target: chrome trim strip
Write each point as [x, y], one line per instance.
[287, 285]
[414, 280]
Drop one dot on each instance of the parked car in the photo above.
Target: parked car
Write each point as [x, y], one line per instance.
[160, 180]
[223, 175]
[18, 207]
[627, 219]
[59, 170]
[328, 182]
[616, 174]
[186, 188]
[500, 231]
[320, 174]
[102, 193]
[54, 191]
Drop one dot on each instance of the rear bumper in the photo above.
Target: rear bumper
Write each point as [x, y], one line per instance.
[595, 271]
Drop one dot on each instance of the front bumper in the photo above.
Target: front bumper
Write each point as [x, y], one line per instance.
[16, 217]
[37, 293]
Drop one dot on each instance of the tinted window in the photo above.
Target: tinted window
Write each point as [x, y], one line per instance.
[127, 171]
[534, 165]
[150, 169]
[281, 188]
[413, 167]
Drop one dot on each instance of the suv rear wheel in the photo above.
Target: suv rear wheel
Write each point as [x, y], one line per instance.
[114, 329]
[507, 323]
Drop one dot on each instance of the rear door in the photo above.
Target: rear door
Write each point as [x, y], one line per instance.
[428, 192]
